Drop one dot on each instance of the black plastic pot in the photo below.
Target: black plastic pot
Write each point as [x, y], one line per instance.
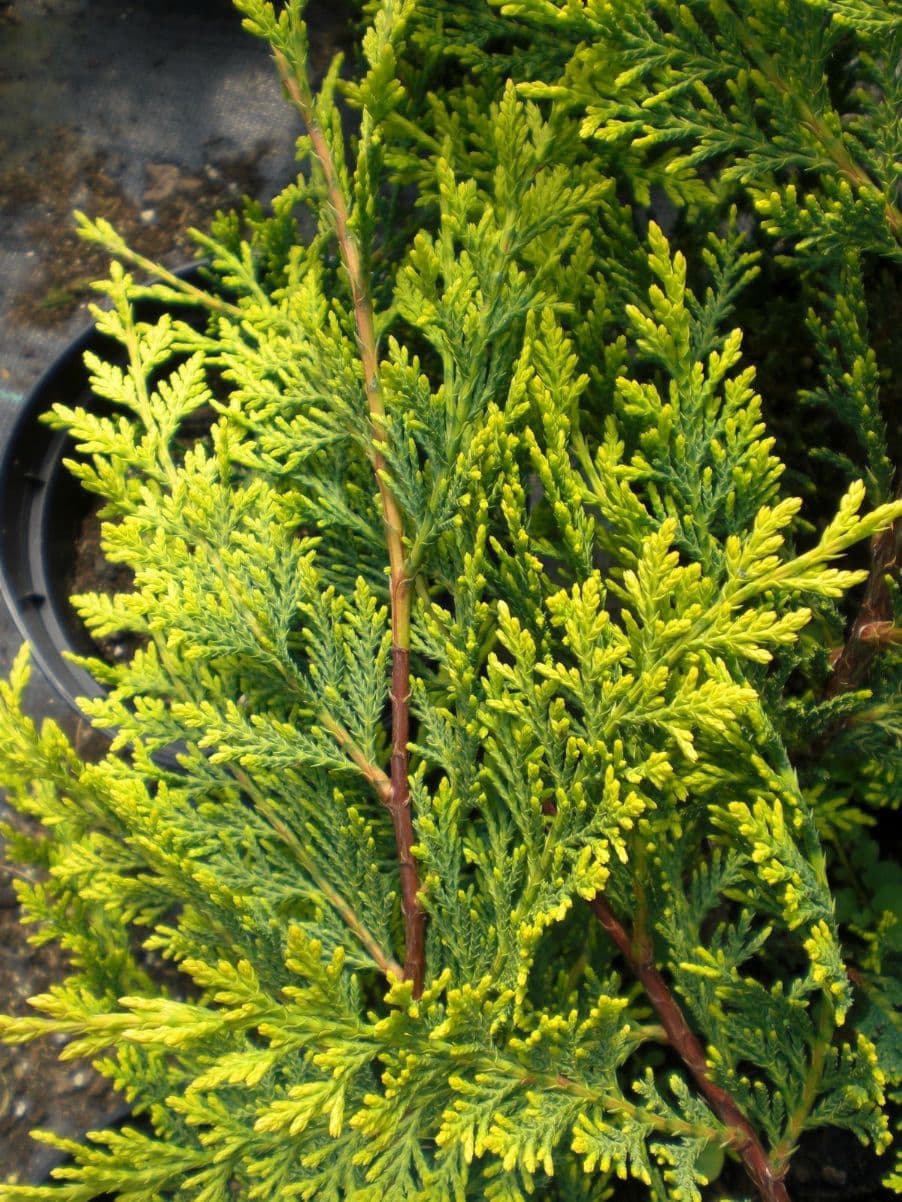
[43, 509]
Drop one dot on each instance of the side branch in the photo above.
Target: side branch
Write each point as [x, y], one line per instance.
[385, 962]
[380, 783]
[831, 142]
[397, 799]
[685, 1043]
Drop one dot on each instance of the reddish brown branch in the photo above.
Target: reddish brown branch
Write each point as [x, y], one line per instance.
[873, 625]
[397, 799]
[402, 818]
[637, 953]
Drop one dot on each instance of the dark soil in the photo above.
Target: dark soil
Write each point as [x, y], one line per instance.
[93, 573]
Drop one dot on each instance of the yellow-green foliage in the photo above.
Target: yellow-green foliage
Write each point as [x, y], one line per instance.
[619, 636]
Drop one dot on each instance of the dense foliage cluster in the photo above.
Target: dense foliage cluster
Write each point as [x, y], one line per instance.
[493, 803]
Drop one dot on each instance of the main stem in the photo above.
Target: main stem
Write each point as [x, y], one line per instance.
[399, 805]
[636, 949]
[397, 800]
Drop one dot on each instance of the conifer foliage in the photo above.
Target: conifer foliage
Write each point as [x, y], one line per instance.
[503, 738]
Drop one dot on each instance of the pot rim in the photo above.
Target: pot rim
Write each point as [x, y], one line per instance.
[31, 461]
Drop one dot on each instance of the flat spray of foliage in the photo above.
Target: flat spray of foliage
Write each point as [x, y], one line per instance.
[529, 739]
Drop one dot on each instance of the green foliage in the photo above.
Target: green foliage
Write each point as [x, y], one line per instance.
[640, 801]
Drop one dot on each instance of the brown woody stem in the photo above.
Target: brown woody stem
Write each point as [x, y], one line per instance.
[400, 807]
[397, 798]
[873, 625]
[636, 950]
